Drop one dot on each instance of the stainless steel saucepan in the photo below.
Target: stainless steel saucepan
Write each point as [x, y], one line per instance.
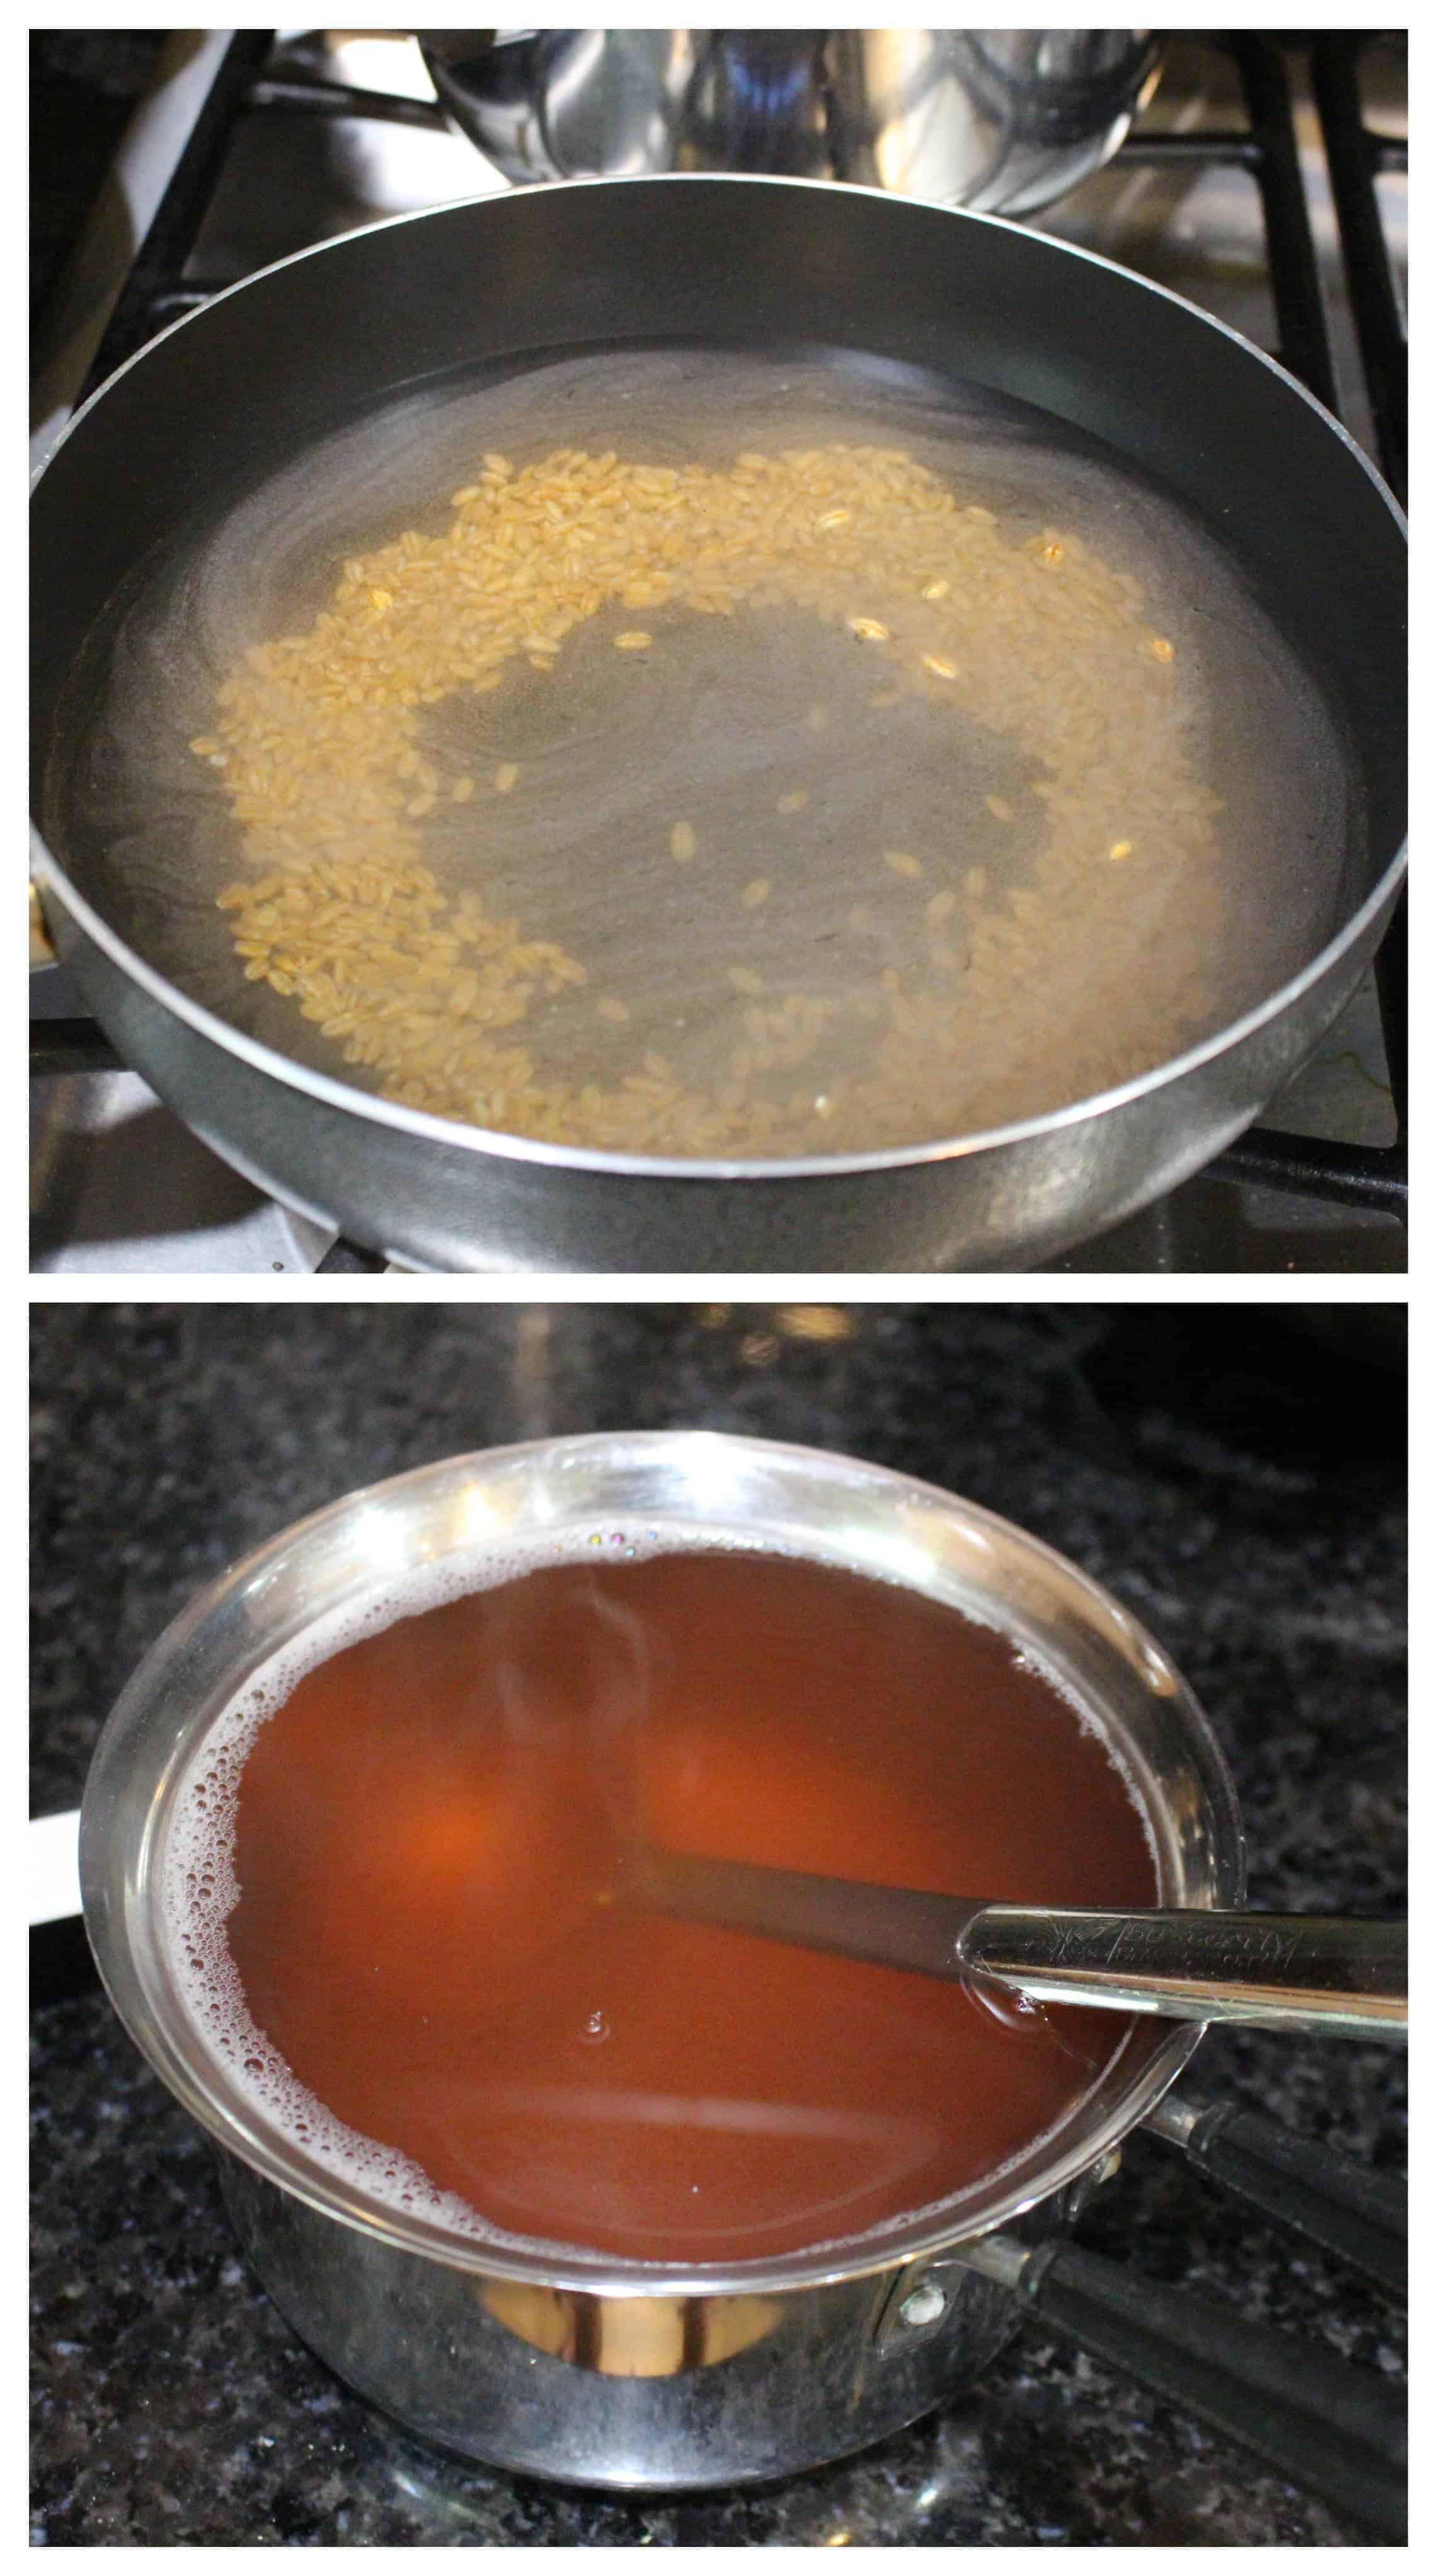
[1001, 118]
[584, 2367]
[214, 409]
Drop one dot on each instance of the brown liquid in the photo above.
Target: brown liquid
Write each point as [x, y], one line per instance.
[430, 1840]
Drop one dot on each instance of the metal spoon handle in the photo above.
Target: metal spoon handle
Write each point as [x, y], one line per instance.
[1308, 1972]
[894, 1927]
[1280, 1971]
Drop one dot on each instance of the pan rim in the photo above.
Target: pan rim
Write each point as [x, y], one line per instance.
[456, 1135]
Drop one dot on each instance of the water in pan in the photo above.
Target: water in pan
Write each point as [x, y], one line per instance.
[810, 887]
[395, 1884]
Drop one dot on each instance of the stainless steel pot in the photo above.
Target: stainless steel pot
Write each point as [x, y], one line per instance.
[1002, 118]
[214, 406]
[582, 2367]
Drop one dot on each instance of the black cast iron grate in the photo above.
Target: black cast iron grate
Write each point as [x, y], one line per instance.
[158, 292]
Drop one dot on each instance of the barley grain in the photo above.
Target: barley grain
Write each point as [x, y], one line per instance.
[319, 735]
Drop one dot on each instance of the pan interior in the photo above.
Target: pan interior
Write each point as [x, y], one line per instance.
[797, 866]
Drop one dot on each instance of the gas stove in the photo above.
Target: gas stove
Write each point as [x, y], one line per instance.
[1265, 181]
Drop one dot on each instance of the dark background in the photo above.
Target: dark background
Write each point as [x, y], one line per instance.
[1235, 1475]
[85, 83]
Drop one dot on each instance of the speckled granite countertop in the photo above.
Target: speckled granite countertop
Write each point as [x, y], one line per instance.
[1232, 1476]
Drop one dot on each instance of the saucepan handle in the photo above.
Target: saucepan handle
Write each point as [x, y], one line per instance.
[1356, 2214]
[1337, 2431]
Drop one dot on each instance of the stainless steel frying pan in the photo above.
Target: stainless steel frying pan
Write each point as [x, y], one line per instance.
[227, 398]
